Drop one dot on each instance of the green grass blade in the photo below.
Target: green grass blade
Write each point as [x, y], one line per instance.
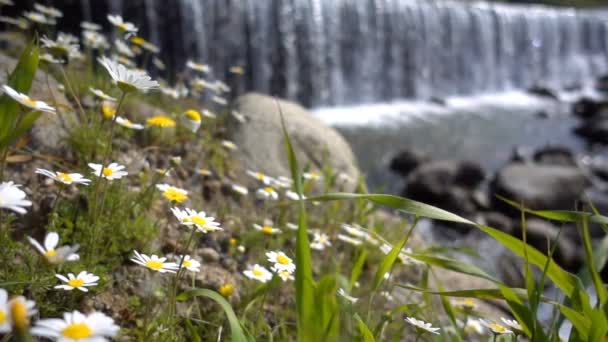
[590, 262]
[365, 332]
[303, 278]
[236, 330]
[357, 269]
[566, 281]
[475, 293]
[396, 202]
[454, 265]
[579, 322]
[389, 260]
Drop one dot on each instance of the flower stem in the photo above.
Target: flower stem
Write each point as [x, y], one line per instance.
[179, 273]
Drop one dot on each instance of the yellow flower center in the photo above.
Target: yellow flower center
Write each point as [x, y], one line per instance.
[257, 272]
[193, 115]
[107, 171]
[154, 264]
[122, 27]
[77, 331]
[259, 176]
[19, 314]
[283, 260]
[2, 317]
[29, 102]
[497, 327]
[186, 263]
[175, 196]
[138, 40]
[107, 111]
[64, 177]
[76, 282]
[267, 230]
[226, 290]
[50, 253]
[161, 121]
[269, 190]
[233, 242]
[201, 221]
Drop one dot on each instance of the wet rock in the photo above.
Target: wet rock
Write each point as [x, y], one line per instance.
[521, 154]
[587, 108]
[555, 155]
[594, 131]
[601, 84]
[553, 187]
[543, 92]
[260, 140]
[407, 160]
[209, 254]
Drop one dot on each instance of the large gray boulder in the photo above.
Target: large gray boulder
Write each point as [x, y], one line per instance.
[551, 187]
[261, 145]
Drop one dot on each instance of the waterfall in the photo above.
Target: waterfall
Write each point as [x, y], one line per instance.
[344, 52]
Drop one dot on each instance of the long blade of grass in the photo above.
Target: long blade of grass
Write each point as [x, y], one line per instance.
[364, 330]
[453, 265]
[389, 260]
[303, 278]
[396, 202]
[237, 333]
[357, 269]
[590, 262]
[476, 293]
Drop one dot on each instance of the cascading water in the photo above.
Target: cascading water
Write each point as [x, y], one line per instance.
[345, 52]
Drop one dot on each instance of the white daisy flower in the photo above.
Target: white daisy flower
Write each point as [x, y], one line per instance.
[65, 46]
[281, 261]
[38, 18]
[208, 114]
[5, 323]
[466, 304]
[79, 282]
[312, 175]
[354, 230]
[20, 310]
[188, 263]
[13, 198]
[155, 263]
[496, 328]
[221, 86]
[89, 26]
[266, 229]
[219, 100]
[473, 326]
[47, 10]
[284, 274]
[189, 217]
[101, 95]
[238, 116]
[291, 226]
[160, 65]
[127, 80]
[65, 178]
[282, 182]
[267, 193]
[48, 58]
[21, 23]
[349, 240]
[50, 251]
[112, 172]
[294, 196]
[128, 123]
[513, 324]
[239, 189]
[27, 101]
[77, 327]
[122, 25]
[123, 49]
[172, 193]
[346, 296]
[259, 273]
[260, 177]
[422, 326]
[320, 241]
[192, 120]
[204, 68]
[94, 40]
[229, 145]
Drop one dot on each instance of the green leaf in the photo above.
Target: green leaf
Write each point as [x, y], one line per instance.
[303, 278]
[357, 269]
[560, 215]
[567, 282]
[389, 260]
[396, 202]
[237, 333]
[578, 321]
[21, 80]
[365, 332]
[454, 265]
[473, 293]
